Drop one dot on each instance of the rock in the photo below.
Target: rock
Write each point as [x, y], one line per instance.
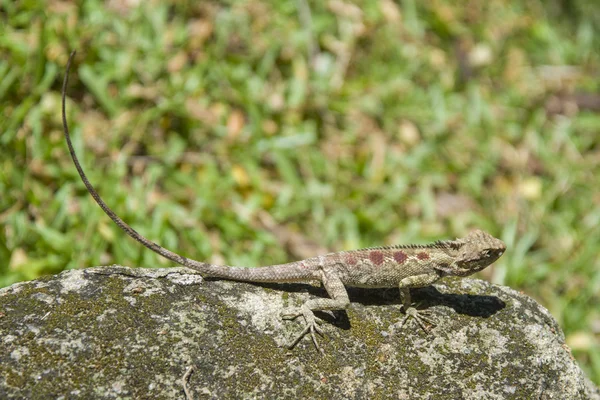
[116, 332]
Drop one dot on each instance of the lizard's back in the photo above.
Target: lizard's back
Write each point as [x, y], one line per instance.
[379, 267]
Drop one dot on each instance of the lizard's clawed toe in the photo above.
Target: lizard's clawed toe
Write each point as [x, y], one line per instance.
[291, 316]
[311, 327]
[419, 316]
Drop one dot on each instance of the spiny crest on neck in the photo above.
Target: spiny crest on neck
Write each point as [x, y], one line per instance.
[440, 244]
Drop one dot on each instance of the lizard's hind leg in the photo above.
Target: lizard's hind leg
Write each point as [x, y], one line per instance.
[339, 301]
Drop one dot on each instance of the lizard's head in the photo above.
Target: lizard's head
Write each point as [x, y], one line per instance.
[475, 252]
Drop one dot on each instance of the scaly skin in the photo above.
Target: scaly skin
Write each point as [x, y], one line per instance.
[402, 266]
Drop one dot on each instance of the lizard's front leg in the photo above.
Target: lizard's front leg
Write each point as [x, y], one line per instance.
[410, 311]
[339, 301]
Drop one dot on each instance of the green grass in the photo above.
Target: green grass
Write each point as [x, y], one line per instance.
[396, 123]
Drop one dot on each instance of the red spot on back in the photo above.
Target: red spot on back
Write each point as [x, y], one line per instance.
[376, 256]
[400, 257]
[423, 256]
[350, 259]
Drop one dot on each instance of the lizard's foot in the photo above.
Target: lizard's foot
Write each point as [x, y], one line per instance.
[311, 327]
[419, 316]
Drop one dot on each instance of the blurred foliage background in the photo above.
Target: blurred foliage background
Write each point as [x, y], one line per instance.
[258, 132]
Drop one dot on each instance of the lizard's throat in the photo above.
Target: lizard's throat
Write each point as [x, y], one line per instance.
[454, 269]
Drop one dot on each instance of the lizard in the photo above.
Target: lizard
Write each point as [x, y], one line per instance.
[396, 266]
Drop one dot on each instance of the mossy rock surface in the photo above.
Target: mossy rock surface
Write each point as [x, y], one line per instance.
[116, 332]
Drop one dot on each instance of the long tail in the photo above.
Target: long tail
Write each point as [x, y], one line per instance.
[293, 271]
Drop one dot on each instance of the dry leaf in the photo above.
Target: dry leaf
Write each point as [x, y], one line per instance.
[235, 124]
